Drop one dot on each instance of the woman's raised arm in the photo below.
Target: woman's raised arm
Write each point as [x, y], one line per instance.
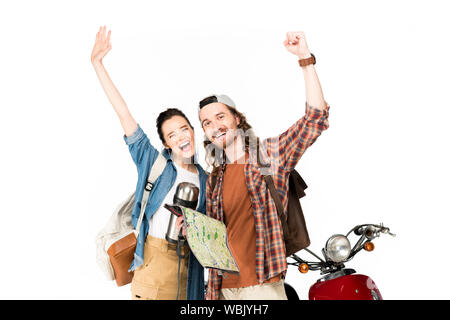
[101, 48]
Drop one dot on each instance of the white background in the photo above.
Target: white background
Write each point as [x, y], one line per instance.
[384, 70]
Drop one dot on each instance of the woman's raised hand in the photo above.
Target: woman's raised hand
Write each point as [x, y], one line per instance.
[102, 45]
[101, 48]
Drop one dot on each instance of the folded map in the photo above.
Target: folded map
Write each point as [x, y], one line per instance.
[207, 238]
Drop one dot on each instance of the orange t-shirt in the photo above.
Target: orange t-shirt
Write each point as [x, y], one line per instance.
[240, 222]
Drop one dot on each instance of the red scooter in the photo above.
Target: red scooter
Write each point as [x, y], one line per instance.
[340, 283]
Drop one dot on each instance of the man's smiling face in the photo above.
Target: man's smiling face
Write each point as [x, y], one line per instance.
[218, 123]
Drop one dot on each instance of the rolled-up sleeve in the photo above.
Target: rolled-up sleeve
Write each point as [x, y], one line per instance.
[286, 149]
[140, 147]
[135, 136]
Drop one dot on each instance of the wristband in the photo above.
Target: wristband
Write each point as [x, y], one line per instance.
[307, 61]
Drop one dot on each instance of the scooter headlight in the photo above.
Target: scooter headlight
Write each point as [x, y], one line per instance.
[338, 248]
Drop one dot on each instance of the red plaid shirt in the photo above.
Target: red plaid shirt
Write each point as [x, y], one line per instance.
[283, 153]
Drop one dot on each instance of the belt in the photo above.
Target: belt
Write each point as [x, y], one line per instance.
[162, 244]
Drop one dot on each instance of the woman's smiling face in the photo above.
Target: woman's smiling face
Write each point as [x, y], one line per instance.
[179, 136]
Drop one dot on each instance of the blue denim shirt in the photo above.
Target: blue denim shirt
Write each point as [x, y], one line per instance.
[144, 155]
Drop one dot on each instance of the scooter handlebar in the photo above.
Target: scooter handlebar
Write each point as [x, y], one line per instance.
[367, 232]
[371, 231]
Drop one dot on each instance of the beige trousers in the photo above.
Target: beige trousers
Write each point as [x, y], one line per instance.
[156, 279]
[265, 291]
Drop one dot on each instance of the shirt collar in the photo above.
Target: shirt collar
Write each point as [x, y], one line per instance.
[168, 155]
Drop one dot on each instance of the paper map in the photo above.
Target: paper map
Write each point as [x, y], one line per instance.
[207, 238]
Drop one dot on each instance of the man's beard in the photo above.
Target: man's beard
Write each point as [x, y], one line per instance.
[231, 136]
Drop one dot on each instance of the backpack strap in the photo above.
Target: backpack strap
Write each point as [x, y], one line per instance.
[155, 172]
[275, 196]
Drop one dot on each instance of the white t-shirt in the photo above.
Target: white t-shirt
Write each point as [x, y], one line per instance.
[160, 219]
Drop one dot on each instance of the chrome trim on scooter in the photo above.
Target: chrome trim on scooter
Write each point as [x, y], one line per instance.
[337, 274]
[375, 295]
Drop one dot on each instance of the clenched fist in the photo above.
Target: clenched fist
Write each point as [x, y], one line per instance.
[295, 43]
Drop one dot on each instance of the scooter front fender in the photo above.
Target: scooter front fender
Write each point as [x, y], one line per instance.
[347, 287]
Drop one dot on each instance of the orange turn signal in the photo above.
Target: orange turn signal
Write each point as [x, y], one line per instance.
[369, 246]
[303, 268]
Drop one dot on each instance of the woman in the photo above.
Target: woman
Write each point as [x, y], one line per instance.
[155, 264]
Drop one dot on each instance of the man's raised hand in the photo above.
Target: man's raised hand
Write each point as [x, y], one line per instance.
[295, 43]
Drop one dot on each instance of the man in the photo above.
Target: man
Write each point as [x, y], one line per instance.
[237, 194]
